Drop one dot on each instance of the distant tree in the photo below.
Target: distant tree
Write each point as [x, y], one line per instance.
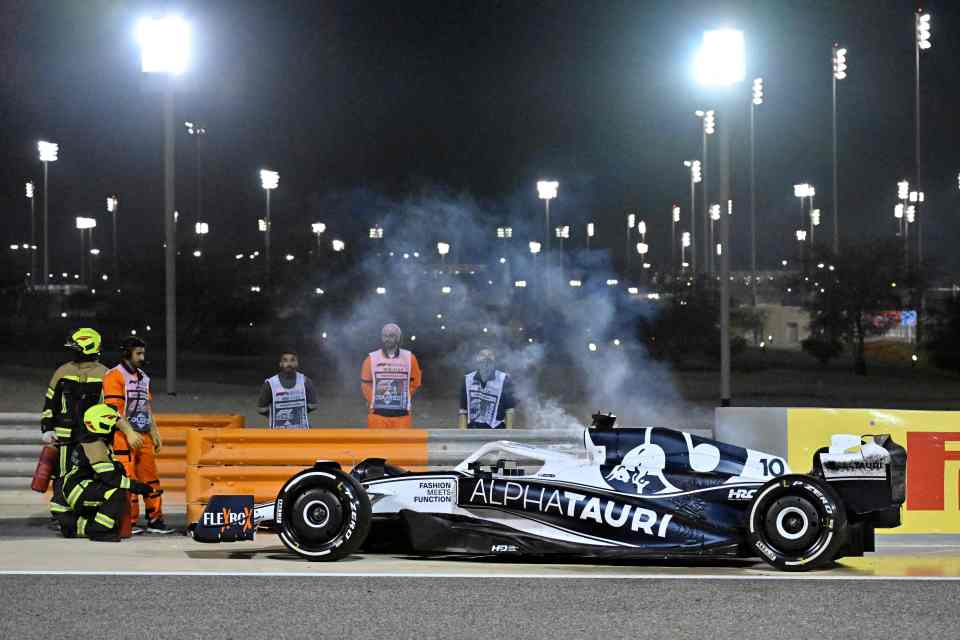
[944, 344]
[843, 301]
[747, 319]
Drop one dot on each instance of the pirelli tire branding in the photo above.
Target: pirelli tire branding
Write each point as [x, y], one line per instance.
[608, 518]
[351, 527]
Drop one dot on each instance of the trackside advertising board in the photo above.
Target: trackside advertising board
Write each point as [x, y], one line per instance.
[932, 441]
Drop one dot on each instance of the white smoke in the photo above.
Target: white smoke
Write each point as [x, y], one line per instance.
[541, 340]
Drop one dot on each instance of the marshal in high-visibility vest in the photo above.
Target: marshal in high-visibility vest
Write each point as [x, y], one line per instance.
[287, 397]
[486, 398]
[388, 378]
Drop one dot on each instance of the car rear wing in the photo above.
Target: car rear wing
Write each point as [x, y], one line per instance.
[869, 472]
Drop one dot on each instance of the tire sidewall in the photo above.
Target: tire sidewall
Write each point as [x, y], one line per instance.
[832, 522]
[357, 514]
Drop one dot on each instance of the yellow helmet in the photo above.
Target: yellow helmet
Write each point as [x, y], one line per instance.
[85, 341]
[100, 419]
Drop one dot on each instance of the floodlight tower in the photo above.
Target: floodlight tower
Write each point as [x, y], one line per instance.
[721, 63]
[839, 73]
[165, 50]
[48, 153]
[269, 180]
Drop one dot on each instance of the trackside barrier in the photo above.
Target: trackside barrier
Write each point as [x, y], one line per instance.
[257, 462]
[932, 440]
[20, 446]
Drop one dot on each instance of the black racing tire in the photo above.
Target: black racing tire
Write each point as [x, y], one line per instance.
[322, 515]
[797, 523]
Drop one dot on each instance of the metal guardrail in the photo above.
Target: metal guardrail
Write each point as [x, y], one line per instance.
[19, 449]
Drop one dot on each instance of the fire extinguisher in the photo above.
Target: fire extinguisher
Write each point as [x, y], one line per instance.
[44, 470]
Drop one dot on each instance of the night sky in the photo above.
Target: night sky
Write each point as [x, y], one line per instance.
[477, 99]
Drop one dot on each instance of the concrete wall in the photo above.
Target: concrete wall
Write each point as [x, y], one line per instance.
[788, 326]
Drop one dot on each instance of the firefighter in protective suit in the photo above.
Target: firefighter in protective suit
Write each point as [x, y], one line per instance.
[96, 487]
[74, 387]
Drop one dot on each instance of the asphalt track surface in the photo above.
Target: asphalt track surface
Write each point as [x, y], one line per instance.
[173, 587]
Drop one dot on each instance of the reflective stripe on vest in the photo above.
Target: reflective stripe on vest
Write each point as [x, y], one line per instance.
[483, 400]
[288, 410]
[391, 381]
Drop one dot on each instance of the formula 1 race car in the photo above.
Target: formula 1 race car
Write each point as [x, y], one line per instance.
[626, 494]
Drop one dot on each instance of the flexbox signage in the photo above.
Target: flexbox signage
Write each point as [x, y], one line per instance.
[932, 441]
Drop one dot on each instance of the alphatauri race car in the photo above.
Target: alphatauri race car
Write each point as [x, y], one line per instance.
[646, 493]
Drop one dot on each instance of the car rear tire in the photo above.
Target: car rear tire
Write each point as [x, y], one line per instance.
[322, 514]
[797, 523]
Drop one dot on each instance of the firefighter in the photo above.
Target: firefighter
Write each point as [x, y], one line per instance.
[388, 378]
[96, 487]
[75, 387]
[486, 397]
[127, 389]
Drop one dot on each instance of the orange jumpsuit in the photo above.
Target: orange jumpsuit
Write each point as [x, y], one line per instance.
[139, 464]
[376, 421]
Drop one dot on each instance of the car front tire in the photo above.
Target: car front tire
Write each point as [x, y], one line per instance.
[322, 515]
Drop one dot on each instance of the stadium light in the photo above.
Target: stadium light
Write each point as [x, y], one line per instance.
[839, 62]
[338, 245]
[201, 228]
[722, 58]
[48, 151]
[269, 180]
[164, 44]
[903, 190]
[758, 91]
[923, 30]
[547, 189]
[534, 247]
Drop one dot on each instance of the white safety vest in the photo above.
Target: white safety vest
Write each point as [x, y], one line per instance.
[288, 410]
[391, 381]
[483, 401]
[136, 399]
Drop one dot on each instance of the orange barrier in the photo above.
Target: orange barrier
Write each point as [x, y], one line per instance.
[258, 461]
[199, 420]
[171, 462]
